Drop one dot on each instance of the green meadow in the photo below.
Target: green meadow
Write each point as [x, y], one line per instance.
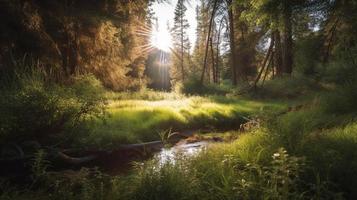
[141, 120]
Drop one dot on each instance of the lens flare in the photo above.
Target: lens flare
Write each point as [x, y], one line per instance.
[161, 39]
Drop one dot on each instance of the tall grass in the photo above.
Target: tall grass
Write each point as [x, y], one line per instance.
[34, 107]
[305, 154]
[130, 121]
[309, 153]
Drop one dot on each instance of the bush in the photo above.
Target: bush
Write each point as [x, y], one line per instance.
[194, 86]
[306, 55]
[287, 87]
[343, 98]
[332, 155]
[33, 107]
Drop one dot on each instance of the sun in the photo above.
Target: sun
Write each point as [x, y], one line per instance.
[161, 39]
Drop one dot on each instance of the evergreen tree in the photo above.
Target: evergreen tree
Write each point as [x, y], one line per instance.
[180, 39]
[74, 37]
[201, 33]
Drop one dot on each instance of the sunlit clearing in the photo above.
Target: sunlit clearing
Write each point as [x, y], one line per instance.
[139, 104]
[184, 103]
[161, 39]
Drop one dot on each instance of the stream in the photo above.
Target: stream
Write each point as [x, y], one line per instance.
[163, 155]
[181, 149]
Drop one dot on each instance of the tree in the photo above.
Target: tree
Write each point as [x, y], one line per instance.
[201, 33]
[287, 37]
[73, 37]
[232, 42]
[180, 36]
[277, 16]
[213, 12]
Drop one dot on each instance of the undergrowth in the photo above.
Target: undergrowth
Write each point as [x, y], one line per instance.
[34, 107]
[307, 152]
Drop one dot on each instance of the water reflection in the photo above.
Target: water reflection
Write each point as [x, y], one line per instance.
[186, 149]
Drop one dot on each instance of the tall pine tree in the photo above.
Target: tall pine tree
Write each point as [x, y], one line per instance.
[181, 41]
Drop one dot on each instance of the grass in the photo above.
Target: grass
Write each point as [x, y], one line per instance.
[135, 120]
[309, 153]
[267, 163]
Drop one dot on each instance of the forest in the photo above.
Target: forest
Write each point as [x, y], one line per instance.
[178, 99]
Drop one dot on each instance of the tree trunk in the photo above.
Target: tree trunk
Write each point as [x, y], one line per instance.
[207, 41]
[213, 62]
[266, 59]
[288, 40]
[278, 53]
[217, 48]
[74, 54]
[182, 50]
[232, 43]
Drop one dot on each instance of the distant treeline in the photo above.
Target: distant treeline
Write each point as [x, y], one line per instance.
[243, 41]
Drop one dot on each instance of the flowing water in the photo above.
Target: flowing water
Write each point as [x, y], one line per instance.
[185, 149]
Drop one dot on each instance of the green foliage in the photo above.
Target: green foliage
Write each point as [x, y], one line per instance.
[181, 43]
[87, 184]
[39, 166]
[130, 121]
[342, 101]
[332, 154]
[194, 86]
[168, 180]
[343, 76]
[288, 87]
[320, 163]
[31, 107]
[306, 55]
[144, 94]
[220, 174]
[78, 38]
[317, 132]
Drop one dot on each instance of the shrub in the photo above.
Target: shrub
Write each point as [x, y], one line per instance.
[194, 86]
[287, 87]
[307, 54]
[343, 98]
[33, 107]
[333, 157]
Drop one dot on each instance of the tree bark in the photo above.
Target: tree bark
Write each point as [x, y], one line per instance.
[207, 41]
[288, 40]
[213, 62]
[270, 62]
[217, 48]
[182, 49]
[267, 57]
[278, 53]
[232, 42]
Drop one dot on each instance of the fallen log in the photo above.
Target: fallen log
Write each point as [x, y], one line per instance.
[143, 146]
[124, 153]
[76, 161]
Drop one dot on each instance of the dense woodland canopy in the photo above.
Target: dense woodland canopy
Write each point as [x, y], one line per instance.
[264, 100]
[243, 41]
[75, 37]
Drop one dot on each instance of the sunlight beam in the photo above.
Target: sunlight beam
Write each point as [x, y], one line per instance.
[161, 39]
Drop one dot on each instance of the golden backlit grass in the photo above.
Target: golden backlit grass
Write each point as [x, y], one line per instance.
[135, 120]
